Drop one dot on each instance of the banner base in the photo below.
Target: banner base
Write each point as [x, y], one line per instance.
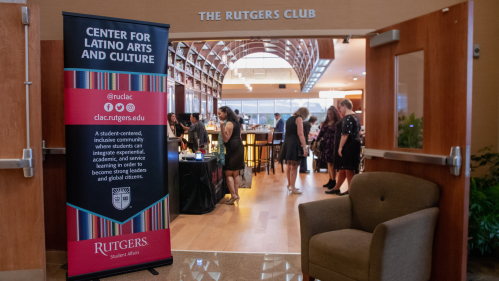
[120, 270]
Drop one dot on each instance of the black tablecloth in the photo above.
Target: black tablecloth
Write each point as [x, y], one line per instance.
[202, 185]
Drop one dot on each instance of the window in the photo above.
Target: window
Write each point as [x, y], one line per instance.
[283, 106]
[297, 103]
[250, 106]
[266, 106]
[234, 105]
[317, 105]
[262, 111]
[262, 60]
[410, 91]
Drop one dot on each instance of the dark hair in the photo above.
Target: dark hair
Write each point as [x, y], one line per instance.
[236, 111]
[195, 115]
[231, 116]
[312, 119]
[170, 118]
[336, 115]
[347, 103]
[277, 114]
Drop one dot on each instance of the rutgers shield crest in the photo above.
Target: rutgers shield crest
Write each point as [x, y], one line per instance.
[121, 197]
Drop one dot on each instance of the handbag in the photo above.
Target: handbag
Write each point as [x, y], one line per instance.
[300, 152]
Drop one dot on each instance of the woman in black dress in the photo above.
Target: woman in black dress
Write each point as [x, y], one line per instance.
[327, 133]
[293, 141]
[234, 150]
[347, 158]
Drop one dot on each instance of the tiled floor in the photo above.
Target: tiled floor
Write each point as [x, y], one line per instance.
[198, 266]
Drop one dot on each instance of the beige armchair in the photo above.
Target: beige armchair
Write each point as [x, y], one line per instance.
[383, 230]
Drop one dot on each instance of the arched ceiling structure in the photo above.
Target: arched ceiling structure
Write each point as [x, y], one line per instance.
[308, 57]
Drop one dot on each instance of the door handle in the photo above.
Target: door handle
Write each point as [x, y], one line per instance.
[453, 160]
[26, 163]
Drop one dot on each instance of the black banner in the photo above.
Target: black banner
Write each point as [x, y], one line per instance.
[116, 145]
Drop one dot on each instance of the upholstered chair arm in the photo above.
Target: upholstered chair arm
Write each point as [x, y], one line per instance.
[322, 216]
[401, 248]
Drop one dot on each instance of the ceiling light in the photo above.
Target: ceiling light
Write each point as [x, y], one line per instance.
[224, 58]
[358, 111]
[332, 94]
[313, 79]
[323, 62]
[364, 73]
[355, 78]
[316, 75]
[320, 69]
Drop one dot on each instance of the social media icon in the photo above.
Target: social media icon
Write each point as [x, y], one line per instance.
[130, 107]
[119, 107]
[108, 107]
[110, 96]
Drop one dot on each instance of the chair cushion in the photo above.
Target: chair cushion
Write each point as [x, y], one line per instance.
[343, 251]
[380, 196]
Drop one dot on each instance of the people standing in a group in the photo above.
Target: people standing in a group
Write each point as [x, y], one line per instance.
[198, 136]
[240, 119]
[294, 147]
[306, 130]
[279, 126]
[327, 134]
[347, 158]
[234, 150]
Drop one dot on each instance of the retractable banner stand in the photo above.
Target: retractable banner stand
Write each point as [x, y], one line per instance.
[116, 145]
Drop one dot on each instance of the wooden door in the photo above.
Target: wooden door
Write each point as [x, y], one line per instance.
[445, 39]
[22, 240]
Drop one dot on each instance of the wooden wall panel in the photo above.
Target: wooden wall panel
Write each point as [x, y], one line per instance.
[22, 241]
[446, 41]
[54, 166]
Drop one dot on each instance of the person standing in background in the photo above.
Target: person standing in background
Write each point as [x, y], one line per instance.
[197, 133]
[234, 151]
[328, 148]
[347, 158]
[294, 143]
[306, 130]
[241, 121]
[279, 126]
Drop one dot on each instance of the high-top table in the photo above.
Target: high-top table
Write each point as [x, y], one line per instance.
[248, 140]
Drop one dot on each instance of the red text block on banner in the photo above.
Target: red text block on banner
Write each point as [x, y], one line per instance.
[114, 107]
[118, 251]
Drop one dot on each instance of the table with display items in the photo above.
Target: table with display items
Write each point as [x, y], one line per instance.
[202, 185]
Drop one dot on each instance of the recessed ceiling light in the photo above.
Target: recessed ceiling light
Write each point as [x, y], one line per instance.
[355, 78]
[364, 73]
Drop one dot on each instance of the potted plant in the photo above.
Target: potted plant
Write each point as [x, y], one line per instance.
[483, 228]
[410, 132]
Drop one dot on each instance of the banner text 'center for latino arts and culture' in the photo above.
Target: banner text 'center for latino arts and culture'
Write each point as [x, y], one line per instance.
[116, 144]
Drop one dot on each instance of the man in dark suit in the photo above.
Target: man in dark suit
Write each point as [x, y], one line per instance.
[279, 126]
[306, 130]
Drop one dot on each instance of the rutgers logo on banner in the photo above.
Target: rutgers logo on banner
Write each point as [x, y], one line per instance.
[121, 197]
[116, 145]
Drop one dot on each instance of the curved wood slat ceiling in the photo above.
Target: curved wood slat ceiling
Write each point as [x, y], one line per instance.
[301, 54]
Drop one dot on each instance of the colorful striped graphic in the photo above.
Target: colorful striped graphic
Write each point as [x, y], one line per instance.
[114, 81]
[87, 226]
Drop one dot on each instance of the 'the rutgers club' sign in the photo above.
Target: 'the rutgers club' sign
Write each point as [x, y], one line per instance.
[116, 145]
